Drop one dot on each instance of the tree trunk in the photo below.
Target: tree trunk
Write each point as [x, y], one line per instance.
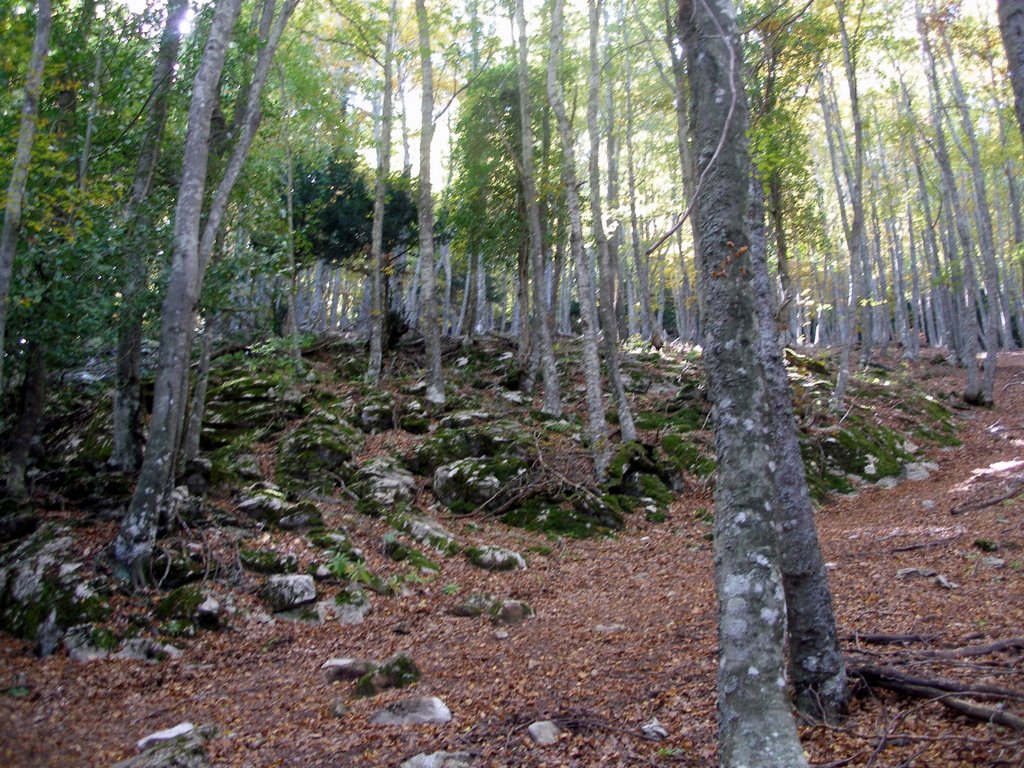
[134, 543]
[22, 156]
[30, 411]
[816, 667]
[1011, 24]
[597, 429]
[756, 725]
[540, 329]
[429, 323]
[377, 233]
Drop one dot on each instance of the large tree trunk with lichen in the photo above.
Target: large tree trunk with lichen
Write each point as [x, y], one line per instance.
[756, 724]
[22, 156]
[134, 542]
[816, 667]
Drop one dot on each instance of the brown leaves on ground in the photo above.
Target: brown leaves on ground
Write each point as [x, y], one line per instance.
[624, 631]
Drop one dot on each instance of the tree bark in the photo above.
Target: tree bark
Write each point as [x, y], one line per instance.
[597, 428]
[30, 411]
[816, 667]
[1011, 25]
[755, 721]
[540, 329]
[429, 323]
[377, 308]
[22, 157]
[134, 543]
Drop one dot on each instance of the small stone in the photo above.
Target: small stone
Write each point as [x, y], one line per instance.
[475, 604]
[440, 760]
[945, 583]
[993, 562]
[928, 504]
[887, 483]
[510, 612]
[501, 634]
[167, 734]
[339, 708]
[653, 730]
[400, 671]
[416, 710]
[905, 573]
[341, 670]
[917, 471]
[144, 649]
[544, 732]
[208, 613]
[609, 629]
[496, 559]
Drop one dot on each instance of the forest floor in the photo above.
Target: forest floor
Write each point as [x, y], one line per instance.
[624, 631]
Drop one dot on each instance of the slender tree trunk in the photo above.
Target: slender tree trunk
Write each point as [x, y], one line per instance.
[540, 330]
[30, 412]
[197, 412]
[377, 234]
[755, 723]
[134, 543]
[986, 243]
[429, 324]
[597, 429]
[22, 157]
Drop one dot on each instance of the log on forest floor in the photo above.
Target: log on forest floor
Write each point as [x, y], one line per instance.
[949, 693]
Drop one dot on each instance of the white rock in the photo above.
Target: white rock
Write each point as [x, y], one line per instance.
[288, 591]
[338, 670]
[440, 760]
[653, 730]
[544, 732]
[167, 734]
[413, 711]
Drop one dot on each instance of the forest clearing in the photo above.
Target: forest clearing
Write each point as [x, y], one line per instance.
[440, 383]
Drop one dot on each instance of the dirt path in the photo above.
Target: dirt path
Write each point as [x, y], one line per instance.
[624, 632]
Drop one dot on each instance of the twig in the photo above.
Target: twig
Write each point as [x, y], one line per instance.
[1016, 488]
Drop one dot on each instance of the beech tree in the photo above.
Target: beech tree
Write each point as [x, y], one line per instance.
[755, 721]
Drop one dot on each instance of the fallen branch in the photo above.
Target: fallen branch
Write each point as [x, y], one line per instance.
[1016, 489]
[1010, 644]
[894, 681]
[939, 683]
[881, 639]
[927, 544]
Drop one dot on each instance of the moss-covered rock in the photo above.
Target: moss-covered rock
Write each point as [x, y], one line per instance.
[427, 532]
[450, 444]
[690, 453]
[316, 455]
[42, 590]
[383, 487]
[181, 603]
[268, 561]
[495, 558]
[472, 483]
[474, 605]
[400, 671]
[376, 413]
[635, 470]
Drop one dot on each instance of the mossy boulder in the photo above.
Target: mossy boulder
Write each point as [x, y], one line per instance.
[473, 483]
[376, 413]
[506, 613]
[585, 516]
[268, 561]
[427, 532]
[636, 471]
[383, 486]
[42, 589]
[450, 444]
[400, 671]
[181, 603]
[689, 452]
[248, 403]
[474, 605]
[495, 558]
[316, 456]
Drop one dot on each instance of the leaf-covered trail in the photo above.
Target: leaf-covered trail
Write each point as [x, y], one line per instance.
[624, 631]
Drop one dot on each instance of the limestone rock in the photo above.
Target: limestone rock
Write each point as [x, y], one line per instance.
[653, 730]
[400, 671]
[264, 502]
[351, 605]
[78, 642]
[496, 559]
[440, 760]
[510, 612]
[181, 729]
[472, 482]
[383, 486]
[544, 732]
[187, 749]
[145, 649]
[475, 604]
[430, 533]
[416, 710]
[285, 592]
[342, 670]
